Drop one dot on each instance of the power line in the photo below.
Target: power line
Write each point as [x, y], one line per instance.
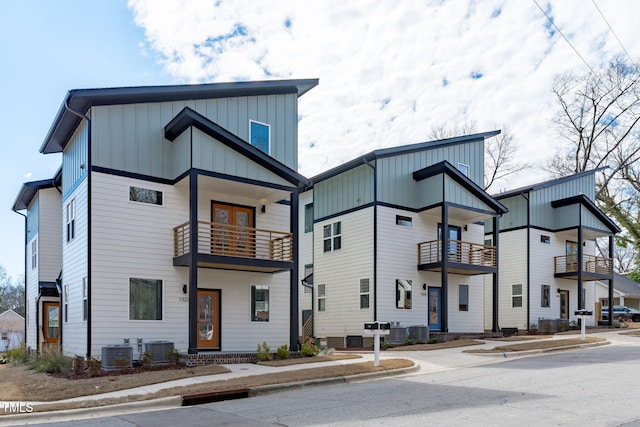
[613, 32]
[564, 37]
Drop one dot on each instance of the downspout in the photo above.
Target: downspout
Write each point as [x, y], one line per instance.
[89, 277]
[25, 282]
[293, 273]
[375, 237]
[526, 197]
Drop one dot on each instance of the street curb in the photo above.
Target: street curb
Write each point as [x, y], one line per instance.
[271, 388]
[93, 412]
[542, 351]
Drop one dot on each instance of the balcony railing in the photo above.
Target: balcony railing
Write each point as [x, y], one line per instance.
[590, 264]
[459, 252]
[235, 241]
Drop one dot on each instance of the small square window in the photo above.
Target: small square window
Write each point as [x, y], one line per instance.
[464, 168]
[545, 239]
[145, 195]
[259, 135]
[404, 221]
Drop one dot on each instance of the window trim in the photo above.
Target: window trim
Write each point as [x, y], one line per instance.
[545, 239]
[366, 294]
[253, 299]
[408, 294]
[463, 306]
[517, 295]
[142, 202]
[542, 296]
[85, 299]
[308, 219]
[322, 296]
[332, 237]
[468, 173]
[70, 220]
[404, 221]
[268, 126]
[162, 300]
[34, 254]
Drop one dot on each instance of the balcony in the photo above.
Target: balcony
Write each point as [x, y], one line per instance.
[234, 247]
[464, 258]
[593, 267]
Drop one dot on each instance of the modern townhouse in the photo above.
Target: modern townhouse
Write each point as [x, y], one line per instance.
[548, 258]
[177, 218]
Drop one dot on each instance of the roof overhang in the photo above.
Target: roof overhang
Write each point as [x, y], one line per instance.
[77, 102]
[583, 200]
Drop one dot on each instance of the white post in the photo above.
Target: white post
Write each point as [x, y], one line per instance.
[583, 327]
[376, 350]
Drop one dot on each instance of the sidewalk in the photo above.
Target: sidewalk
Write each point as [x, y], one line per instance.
[425, 362]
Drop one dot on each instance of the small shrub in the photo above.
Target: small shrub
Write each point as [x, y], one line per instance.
[19, 355]
[264, 352]
[533, 329]
[385, 345]
[410, 341]
[146, 359]
[94, 366]
[433, 340]
[620, 323]
[52, 361]
[283, 352]
[121, 362]
[173, 356]
[77, 364]
[309, 350]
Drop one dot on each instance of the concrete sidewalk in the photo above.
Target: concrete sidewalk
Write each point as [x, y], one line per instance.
[425, 362]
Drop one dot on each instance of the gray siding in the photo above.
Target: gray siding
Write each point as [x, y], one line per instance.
[429, 191]
[567, 217]
[32, 218]
[209, 154]
[515, 218]
[589, 220]
[396, 184]
[131, 137]
[74, 159]
[543, 214]
[457, 194]
[343, 192]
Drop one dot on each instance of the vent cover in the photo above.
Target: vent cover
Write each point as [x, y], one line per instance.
[158, 350]
[117, 357]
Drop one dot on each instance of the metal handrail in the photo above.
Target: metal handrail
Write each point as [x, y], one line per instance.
[461, 252]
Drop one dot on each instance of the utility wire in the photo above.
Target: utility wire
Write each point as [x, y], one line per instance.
[613, 32]
[564, 37]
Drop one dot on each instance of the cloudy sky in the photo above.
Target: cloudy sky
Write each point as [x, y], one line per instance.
[390, 71]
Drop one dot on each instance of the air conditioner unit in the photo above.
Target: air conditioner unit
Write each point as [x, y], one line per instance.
[117, 356]
[158, 350]
[419, 332]
[397, 335]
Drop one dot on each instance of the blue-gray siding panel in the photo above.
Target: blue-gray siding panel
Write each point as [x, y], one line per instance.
[32, 218]
[74, 159]
[591, 221]
[457, 194]
[515, 218]
[567, 217]
[543, 214]
[429, 191]
[131, 137]
[343, 192]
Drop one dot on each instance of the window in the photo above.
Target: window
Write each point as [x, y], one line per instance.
[321, 298]
[308, 218]
[66, 303]
[259, 303]
[332, 235]
[463, 297]
[5, 336]
[144, 195]
[545, 296]
[85, 299]
[71, 220]
[403, 294]
[404, 221]
[259, 136]
[545, 239]
[145, 299]
[308, 270]
[364, 293]
[34, 253]
[516, 296]
[465, 169]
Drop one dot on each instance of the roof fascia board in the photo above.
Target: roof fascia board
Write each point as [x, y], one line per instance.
[586, 202]
[28, 192]
[547, 184]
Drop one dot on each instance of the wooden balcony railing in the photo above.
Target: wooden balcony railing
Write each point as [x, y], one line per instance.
[590, 264]
[460, 252]
[236, 241]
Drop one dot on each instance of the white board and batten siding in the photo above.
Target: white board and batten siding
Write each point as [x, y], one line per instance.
[512, 262]
[341, 271]
[305, 253]
[74, 267]
[135, 240]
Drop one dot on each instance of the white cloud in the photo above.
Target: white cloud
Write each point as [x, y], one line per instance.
[371, 53]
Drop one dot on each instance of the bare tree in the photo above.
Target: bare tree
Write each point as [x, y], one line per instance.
[500, 151]
[11, 294]
[599, 126]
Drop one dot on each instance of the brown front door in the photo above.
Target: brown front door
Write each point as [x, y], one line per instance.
[208, 319]
[51, 321]
[232, 231]
[564, 304]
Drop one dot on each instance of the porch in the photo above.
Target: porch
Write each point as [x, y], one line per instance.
[465, 258]
[593, 267]
[234, 247]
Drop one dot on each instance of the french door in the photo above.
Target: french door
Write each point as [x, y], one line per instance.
[232, 230]
[571, 249]
[208, 319]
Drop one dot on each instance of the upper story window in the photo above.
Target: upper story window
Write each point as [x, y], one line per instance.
[332, 235]
[545, 239]
[34, 253]
[259, 135]
[145, 195]
[465, 169]
[404, 221]
[308, 218]
[70, 219]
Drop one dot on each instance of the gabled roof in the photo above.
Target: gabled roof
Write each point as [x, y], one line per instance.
[586, 202]
[624, 284]
[29, 189]
[10, 313]
[447, 168]
[188, 117]
[395, 151]
[80, 100]
[545, 184]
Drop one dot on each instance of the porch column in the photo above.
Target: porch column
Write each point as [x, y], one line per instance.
[193, 263]
[293, 282]
[580, 268]
[496, 232]
[610, 319]
[444, 281]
